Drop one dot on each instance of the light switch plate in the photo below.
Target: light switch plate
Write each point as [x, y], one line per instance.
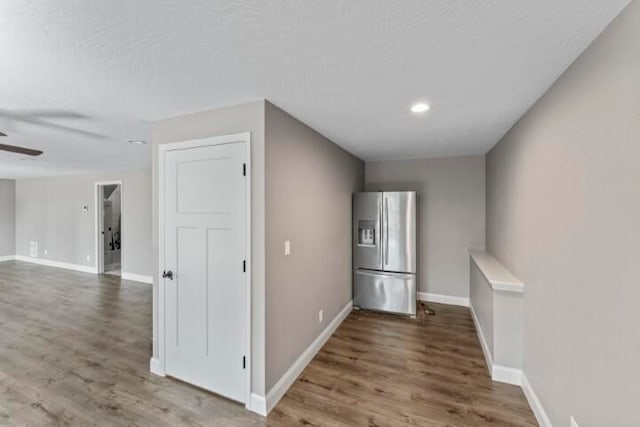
[287, 247]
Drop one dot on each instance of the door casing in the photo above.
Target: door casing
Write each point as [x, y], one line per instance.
[196, 143]
[99, 223]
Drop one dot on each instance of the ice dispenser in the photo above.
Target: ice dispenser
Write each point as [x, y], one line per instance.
[366, 233]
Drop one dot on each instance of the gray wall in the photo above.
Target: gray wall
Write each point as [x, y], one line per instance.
[224, 121]
[7, 217]
[309, 183]
[481, 296]
[563, 209]
[451, 209]
[49, 211]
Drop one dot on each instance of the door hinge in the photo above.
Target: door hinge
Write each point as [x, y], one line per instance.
[244, 362]
[244, 169]
[244, 265]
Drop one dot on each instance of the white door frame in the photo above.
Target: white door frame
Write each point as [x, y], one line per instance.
[196, 143]
[98, 224]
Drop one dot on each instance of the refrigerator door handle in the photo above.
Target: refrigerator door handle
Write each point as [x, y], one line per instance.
[381, 220]
[386, 230]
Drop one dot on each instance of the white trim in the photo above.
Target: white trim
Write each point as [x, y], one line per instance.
[98, 218]
[137, 278]
[499, 373]
[57, 264]
[156, 367]
[505, 374]
[289, 377]
[244, 137]
[249, 271]
[507, 287]
[496, 274]
[443, 299]
[257, 404]
[7, 258]
[534, 403]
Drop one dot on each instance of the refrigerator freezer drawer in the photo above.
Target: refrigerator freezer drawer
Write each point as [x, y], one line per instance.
[382, 291]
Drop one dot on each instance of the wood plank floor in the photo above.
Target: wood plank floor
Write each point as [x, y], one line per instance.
[384, 370]
[75, 349]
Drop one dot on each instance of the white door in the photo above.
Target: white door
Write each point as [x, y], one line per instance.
[205, 250]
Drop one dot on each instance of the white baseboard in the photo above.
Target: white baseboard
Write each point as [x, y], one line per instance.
[504, 374]
[137, 278]
[511, 376]
[280, 388]
[257, 404]
[156, 367]
[57, 264]
[534, 402]
[443, 299]
[7, 258]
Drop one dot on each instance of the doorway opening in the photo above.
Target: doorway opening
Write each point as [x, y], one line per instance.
[109, 228]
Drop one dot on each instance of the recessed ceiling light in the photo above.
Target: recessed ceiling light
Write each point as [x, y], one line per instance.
[137, 141]
[420, 107]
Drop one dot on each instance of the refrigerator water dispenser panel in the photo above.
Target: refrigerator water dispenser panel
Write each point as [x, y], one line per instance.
[366, 233]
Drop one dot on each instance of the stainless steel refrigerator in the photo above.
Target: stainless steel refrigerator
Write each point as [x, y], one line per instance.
[384, 249]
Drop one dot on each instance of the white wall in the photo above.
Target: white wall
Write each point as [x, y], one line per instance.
[451, 215]
[7, 217]
[563, 210]
[50, 211]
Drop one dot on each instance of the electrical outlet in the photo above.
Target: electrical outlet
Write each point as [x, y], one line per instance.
[573, 422]
[45, 252]
[88, 257]
[33, 249]
[287, 247]
[320, 316]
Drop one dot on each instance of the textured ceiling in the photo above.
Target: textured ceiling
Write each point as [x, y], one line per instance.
[78, 78]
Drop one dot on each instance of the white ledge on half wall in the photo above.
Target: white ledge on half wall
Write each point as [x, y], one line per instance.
[495, 273]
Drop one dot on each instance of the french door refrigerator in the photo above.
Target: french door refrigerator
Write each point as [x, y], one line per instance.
[384, 251]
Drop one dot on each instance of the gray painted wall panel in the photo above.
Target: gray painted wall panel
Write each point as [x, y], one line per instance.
[482, 303]
[49, 211]
[451, 215]
[563, 203]
[7, 217]
[309, 183]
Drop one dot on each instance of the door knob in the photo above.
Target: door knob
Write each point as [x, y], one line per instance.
[167, 274]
